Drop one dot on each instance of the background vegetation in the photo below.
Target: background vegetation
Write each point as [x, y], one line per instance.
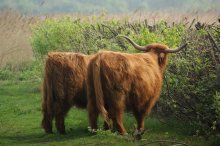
[110, 6]
[188, 109]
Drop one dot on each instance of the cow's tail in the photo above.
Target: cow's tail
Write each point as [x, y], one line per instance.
[98, 90]
[47, 105]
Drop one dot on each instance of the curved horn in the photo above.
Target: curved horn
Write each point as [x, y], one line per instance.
[175, 50]
[136, 46]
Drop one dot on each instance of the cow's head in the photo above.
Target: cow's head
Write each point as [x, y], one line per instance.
[158, 49]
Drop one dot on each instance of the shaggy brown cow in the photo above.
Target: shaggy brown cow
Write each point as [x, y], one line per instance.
[116, 81]
[63, 87]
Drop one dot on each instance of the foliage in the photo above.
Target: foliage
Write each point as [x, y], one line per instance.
[79, 36]
[26, 71]
[192, 83]
[56, 34]
[70, 35]
[161, 33]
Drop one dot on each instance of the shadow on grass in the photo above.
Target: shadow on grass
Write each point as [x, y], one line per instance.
[41, 137]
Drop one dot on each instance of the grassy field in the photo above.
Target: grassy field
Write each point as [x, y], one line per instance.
[20, 118]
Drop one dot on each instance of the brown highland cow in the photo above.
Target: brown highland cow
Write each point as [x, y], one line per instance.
[118, 81]
[63, 87]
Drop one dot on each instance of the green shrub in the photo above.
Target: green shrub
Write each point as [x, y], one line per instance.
[6, 74]
[161, 33]
[62, 35]
[192, 85]
[32, 71]
[26, 71]
[70, 35]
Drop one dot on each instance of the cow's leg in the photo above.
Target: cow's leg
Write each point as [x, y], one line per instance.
[140, 121]
[140, 125]
[106, 126]
[60, 112]
[93, 114]
[47, 122]
[91, 105]
[151, 104]
[47, 110]
[116, 110]
[59, 118]
[140, 115]
[93, 117]
[117, 117]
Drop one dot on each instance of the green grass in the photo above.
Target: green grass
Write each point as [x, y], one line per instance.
[20, 118]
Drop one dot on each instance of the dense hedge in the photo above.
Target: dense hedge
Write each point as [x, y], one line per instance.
[73, 35]
[191, 90]
[192, 84]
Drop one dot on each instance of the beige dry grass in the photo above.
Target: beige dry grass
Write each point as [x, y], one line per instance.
[15, 47]
[178, 17]
[152, 18]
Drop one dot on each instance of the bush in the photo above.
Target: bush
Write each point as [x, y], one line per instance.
[192, 84]
[70, 35]
[26, 71]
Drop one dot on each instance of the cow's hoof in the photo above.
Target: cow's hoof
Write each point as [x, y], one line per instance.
[138, 134]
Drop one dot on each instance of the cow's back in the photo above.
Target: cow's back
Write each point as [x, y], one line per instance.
[67, 74]
[135, 78]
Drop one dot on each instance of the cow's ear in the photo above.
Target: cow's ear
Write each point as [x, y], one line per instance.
[161, 58]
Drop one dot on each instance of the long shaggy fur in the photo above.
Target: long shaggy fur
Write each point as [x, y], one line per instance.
[118, 81]
[63, 87]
